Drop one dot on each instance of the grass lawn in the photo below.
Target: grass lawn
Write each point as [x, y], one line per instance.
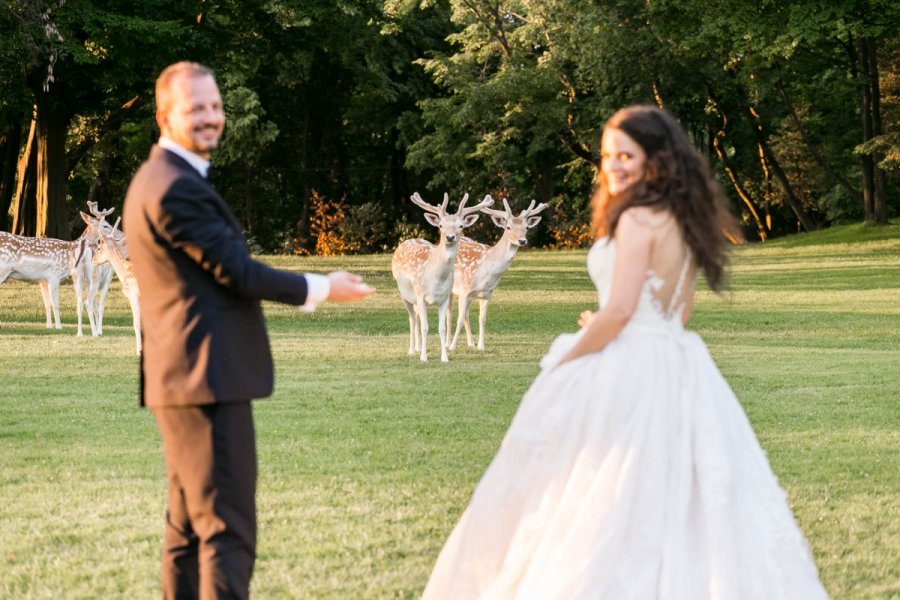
[367, 457]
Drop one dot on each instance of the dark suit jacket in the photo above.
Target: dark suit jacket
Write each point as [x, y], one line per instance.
[204, 338]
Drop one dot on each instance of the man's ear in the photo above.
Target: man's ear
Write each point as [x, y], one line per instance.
[162, 120]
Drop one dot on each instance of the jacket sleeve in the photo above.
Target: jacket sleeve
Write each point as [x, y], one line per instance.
[195, 220]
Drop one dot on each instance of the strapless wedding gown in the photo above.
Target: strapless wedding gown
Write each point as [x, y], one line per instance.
[632, 473]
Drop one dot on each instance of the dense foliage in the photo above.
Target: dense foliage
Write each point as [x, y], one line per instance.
[340, 109]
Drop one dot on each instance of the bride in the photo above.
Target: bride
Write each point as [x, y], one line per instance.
[630, 470]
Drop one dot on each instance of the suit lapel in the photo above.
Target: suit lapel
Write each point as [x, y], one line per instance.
[185, 167]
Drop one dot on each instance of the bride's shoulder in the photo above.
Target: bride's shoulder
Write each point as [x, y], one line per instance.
[646, 217]
[642, 225]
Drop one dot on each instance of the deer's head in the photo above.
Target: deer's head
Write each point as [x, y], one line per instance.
[515, 228]
[451, 224]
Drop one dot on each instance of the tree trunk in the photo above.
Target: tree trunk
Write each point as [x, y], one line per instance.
[52, 213]
[880, 203]
[793, 201]
[10, 142]
[25, 201]
[865, 111]
[739, 188]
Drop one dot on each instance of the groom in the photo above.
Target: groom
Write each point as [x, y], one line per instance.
[206, 352]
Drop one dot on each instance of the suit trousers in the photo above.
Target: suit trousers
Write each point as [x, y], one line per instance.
[209, 545]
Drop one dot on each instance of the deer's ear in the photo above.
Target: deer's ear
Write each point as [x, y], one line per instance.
[499, 221]
[433, 219]
[85, 218]
[532, 221]
[468, 220]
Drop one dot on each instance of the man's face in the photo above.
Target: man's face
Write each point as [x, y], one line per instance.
[193, 117]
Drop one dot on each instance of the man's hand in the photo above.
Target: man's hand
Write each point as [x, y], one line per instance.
[347, 287]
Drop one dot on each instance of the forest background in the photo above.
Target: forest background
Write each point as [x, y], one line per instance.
[338, 110]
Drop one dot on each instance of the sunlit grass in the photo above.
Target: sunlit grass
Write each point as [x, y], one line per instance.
[367, 456]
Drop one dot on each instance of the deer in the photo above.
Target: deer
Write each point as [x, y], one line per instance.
[102, 274]
[424, 272]
[48, 261]
[108, 250]
[479, 267]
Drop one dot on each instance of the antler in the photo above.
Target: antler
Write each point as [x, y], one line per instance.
[481, 206]
[95, 210]
[442, 209]
[508, 213]
[528, 211]
[499, 213]
[417, 200]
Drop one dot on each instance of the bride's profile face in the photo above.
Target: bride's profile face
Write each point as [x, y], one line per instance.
[621, 160]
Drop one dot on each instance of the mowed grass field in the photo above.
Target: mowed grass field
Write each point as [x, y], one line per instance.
[367, 457]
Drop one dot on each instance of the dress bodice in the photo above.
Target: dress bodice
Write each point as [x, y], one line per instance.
[660, 305]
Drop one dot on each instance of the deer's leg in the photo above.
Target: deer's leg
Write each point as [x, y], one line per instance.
[449, 319]
[417, 330]
[78, 285]
[48, 303]
[101, 302]
[413, 325]
[90, 300]
[53, 289]
[468, 325]
[462, 307]
[482, 319]
[423, 327]
[45, 296]
[443, 309]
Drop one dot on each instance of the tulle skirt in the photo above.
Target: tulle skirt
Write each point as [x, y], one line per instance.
[632, 473]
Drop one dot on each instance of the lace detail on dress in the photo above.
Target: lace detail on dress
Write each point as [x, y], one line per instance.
[655, 306]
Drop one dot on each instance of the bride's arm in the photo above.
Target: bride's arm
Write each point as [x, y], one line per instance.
[634, 241]
[688, 310]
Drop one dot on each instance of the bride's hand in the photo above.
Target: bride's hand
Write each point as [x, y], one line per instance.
[585, 318]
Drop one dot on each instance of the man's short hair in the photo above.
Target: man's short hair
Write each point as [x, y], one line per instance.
[164, 81]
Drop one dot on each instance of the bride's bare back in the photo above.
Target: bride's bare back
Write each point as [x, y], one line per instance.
[671, 265]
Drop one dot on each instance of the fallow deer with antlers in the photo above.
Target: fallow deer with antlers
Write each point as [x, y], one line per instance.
[424, 272]
[480, 267]
[108, 250]
[102, 274]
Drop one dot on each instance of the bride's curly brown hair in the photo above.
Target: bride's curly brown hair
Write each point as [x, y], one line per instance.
[676, 178]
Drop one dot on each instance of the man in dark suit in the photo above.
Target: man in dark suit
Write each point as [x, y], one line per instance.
[206, 352]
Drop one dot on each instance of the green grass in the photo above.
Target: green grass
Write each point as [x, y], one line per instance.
[367, 457]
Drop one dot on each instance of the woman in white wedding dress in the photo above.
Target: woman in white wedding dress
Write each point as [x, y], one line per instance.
[630, 470]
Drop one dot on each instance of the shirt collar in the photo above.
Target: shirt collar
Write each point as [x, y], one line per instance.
[201, 165]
